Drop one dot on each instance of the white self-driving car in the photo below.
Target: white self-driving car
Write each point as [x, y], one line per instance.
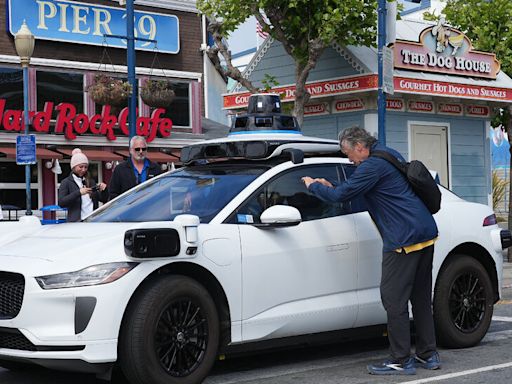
[227, 251]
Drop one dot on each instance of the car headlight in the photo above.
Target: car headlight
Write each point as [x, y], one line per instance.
[93, 275]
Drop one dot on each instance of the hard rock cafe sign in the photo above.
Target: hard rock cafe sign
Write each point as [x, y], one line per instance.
[442, 49]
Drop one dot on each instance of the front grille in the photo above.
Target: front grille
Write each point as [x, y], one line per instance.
[12, 286]
[11, 338]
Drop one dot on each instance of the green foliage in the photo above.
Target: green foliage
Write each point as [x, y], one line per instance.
[499, 187]
[301, 25]
[487, 23]
[269, 82]
[108, 90]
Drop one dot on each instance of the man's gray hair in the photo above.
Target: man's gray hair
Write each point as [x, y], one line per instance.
[353, 135]
[137, 138]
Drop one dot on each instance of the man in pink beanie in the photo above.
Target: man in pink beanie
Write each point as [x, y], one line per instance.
[79, 194]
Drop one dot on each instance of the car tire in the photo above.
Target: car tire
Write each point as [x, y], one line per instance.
[170, 333]
[463, 303]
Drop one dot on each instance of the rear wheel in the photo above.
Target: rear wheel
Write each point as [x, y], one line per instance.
[463, 303]
[170, 333]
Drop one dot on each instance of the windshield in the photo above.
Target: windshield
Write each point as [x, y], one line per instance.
[201, 191]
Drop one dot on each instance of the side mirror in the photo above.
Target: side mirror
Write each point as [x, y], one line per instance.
[280, 216]
[147, 243]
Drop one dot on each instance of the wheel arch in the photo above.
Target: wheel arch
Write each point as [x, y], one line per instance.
[480, 254]
[203, 277]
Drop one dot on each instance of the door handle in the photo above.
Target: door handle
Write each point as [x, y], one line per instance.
[337, 247]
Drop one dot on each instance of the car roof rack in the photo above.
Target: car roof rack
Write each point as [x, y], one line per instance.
[263, 147]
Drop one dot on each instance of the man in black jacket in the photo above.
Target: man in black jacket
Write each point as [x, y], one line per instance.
[134, 170]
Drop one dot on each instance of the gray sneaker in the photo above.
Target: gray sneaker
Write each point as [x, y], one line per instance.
[433, 362]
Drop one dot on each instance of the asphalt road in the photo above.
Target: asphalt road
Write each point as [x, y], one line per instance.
[490, 361]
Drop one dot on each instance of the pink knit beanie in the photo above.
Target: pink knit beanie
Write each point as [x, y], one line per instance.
[78, 158]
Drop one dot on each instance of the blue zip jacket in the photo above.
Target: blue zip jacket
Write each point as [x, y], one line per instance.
[401, 217]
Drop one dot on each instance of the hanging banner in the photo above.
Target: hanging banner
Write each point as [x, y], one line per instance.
[83, 23]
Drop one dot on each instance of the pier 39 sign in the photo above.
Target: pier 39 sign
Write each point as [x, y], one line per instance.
[83, 23]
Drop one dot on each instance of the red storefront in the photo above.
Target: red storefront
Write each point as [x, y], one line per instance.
[64, 115]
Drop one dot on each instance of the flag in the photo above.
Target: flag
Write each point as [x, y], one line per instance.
[260, 31]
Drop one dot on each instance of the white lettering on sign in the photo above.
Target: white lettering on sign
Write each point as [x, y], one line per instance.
[101, 19]
[477, 110]
[421, 106]
[415, 86]
[348, 105]
[452, 109]
[394, 104]
[329, 88]
[314, 109]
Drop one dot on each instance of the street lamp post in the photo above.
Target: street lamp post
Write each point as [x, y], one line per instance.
[24, 41]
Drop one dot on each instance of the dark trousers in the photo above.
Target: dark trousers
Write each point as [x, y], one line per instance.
[408, 277]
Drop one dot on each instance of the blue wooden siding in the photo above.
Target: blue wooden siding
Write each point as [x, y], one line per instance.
[470, 156]
[329, 126]
[279, 64]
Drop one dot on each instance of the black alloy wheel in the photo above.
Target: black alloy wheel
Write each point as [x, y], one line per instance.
[467, 301]
[181, 337]
[463, 303]
[170, 333]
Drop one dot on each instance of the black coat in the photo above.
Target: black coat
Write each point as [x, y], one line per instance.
[70, 197]
[124, 178]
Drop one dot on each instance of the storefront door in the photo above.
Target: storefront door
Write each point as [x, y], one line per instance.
[429, 144]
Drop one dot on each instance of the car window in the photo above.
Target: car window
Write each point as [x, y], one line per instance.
[201, 191]
[288, 189]
[357, 204]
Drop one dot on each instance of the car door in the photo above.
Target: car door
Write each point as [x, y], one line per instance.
[298, 279]
[369, 267]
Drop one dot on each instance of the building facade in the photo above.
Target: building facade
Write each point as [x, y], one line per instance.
[76, 41]
[440, 111]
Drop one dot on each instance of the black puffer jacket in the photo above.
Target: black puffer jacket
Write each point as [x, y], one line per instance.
[124, 178]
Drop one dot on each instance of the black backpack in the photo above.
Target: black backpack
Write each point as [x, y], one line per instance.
[422, 182]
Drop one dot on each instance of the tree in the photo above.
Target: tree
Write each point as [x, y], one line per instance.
[304, 28]
[489, 26]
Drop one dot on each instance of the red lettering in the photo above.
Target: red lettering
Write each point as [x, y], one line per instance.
[64, 121]
[81, 123]
[107, 123]
[123, 118]
[12, 120]
[2, 107]
[42, 119]
[92, 125]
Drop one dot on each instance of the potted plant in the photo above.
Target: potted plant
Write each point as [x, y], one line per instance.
[108, 90]
[157, 93]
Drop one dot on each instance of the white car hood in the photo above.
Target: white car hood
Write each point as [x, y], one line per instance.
[64, 247]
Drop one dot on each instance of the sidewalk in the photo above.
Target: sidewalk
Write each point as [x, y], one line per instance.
[507, 275]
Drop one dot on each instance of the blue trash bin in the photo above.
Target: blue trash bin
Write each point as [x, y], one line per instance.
[51, 214]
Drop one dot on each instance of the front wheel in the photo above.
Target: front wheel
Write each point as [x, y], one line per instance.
[170, 333]
[463, 303]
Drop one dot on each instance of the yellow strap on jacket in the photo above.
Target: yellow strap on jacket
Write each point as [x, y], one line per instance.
[416, 247]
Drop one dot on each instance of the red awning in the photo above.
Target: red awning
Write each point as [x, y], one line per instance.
[41, 153]
[94, 154]
[159, 157]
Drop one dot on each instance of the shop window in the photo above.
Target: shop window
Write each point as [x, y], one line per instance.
[179, 110]
[13, 189]
[11, 88]
[10, 172]
[60, 87]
